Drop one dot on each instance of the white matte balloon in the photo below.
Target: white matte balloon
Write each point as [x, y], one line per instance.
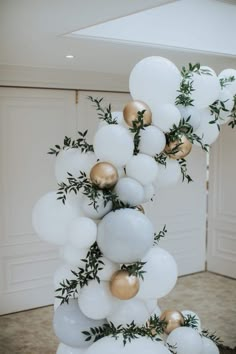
[50, 218]
[157, 311]
[185, 313]
[73, 161]
[141, 345]
[160, 274]
[192, 114]
[143, 168]
[114, 144]
[168, 175]
[154, 80]
[149, 192]
[186, 339]
[129, 191]
[108, 269]
[69, 322]
[82, 232]
[151, 305]
[226, 74]
[74, 256]
[164, 116]
[63, 272]
[65, 349]
[207, 132]
[117, 116]
[209, 347]
[96, 301]
[89, 210]
[152, 141]
[228, 99]
[128, 311]
[125, 235]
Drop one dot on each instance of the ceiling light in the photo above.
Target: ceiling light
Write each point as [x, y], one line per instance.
[69, 56]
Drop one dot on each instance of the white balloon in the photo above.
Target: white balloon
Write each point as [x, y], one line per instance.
[82, 232]
[69, 322]
[114, 144]
[160, 274]
[96, 301]
[117, 116]
[186, 339]
[185, 313]
[164, 116]
[89, 210]
[206, 88]
[152, 141]
[128, 311]
[149, 192]
[108, 269]
[207, 132]
[74, 256]
[57, 303]
[192, 114]
[168, 175]
[209, 347]
[227, 98]
[50, 218]
[65, 349]
[143, 168]
[226, 74]
[139, 345]
[154, 80]
[73, 161]
[125, 235]
[129, 191]
[121, 172]
[151, 305]
[157, 311]
[63, 272]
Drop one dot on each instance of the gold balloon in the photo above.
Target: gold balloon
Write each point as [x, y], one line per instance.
[124, 286]
[140, 208]
[173, 319]
[131, 110]
[182, 146]
[104, 175]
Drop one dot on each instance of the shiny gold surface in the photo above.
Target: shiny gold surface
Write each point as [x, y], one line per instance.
[131, 110]
[173, 319]
[124, 286]
[182, 146]
[104, 175]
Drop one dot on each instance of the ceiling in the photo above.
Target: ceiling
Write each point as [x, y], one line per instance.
[37, 33]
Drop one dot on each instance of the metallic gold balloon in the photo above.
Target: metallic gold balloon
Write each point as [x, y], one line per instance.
[131, 110]
[182, 147]
[104, 175]
[140, 208]
[124, 286]
[173, 319]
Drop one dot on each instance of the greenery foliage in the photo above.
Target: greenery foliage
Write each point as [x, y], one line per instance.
[69, 143]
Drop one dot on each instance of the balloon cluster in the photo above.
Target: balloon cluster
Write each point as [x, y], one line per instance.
[114, 271]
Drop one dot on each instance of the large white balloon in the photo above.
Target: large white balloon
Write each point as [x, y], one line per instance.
[124, 236]
[151, 305]
[186, 339]
[129, 191]
[226, 74]
[149, 192]
[164, 116]
[69, 322]
[89, 210]
[82, 232]
[73, 256]
[108, 269]
[168, 175]
[206, 88]
[128, 311]
[65, 349]
[139, 345]
[209, 346]
[192, 114]
[96, 301]
[143, 168]
[63, 272]
[152, 141]
[228, 99]
[185, 313]
[206, 131]
[154, 80]
[161, 274]
[50, 218]
[73, 161]
[113, 143]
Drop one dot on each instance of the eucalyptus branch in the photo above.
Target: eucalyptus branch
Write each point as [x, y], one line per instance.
[191, 321]
[172, 348]
[135, 269]
[212, 336]
[225, 81]
[138, 125]
[161, 158]
[183, 167]
[92, 265]
[69, 143]
[216, 108]
[104, 113]
[161, 234]
[232, 123]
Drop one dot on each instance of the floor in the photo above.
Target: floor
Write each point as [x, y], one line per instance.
[211, 296]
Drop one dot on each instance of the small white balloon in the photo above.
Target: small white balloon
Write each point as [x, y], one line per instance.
[206, 131]
[227, 73]
[128, 311]
[186, 339]
[65, 349]
[63, 272]
[114, 144]
[96, 301]
[191, 114]
[228, 99]
[168, 175]
[209, 347]
[160, 274]
[149, 192]
[151, 305]
[74, 256]
[187, 313]
[108, 269]
[50, 218]
[101, 210]
[129, 191]
[82, 232]
[143, 168]
[73, 161]
[164, 116]
[152, 141]
[125, 235]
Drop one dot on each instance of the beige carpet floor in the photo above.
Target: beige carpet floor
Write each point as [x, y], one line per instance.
[211, 296]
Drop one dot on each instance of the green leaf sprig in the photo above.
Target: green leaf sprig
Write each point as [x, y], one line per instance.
[184, 170]
[225, 81]
[216, 339]
[160, 235]
[104, 113]
[232, 123]
[135, 269]
[138, 125]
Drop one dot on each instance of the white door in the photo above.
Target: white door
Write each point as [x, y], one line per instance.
[31, 121]
[221, 255]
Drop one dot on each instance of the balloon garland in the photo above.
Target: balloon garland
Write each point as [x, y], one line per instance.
[114, 270]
